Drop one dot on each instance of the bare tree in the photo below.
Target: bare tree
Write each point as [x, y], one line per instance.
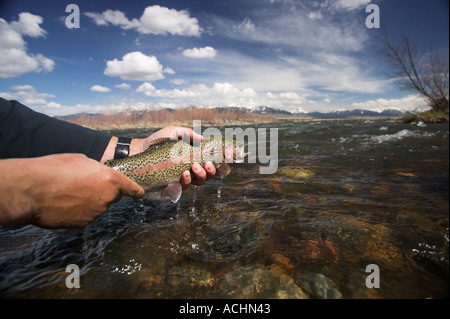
[424, 72]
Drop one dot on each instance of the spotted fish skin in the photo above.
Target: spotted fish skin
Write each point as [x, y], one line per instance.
[163, 163]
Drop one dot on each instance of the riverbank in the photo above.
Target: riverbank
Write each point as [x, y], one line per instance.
[430, 116]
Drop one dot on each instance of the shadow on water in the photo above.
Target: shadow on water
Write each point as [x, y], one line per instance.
[346, 195]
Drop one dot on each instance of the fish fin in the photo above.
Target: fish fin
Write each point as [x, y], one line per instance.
[223, 169]
[173, 190]
[158, 142]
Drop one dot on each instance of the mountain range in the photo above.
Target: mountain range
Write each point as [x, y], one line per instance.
[158, 118]
[278, 113]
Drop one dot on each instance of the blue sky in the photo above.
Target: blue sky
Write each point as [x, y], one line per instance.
[293, 55]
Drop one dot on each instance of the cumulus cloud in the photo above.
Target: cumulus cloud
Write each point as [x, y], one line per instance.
[154, 20]
[286, 100]
[28, 24]
[114, 17]
[221, 94]
[149, 90]
[162, 20]
[53, 105]
[408, 103]
[123, 86]
[26, 94]
[15, 60]
[289, 96]
[200, 53]
[136, 66]
[99, 88]
[168, 71]
[178, 81]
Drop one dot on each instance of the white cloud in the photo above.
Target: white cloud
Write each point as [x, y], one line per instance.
[154, 20]
[221, 94]
[246, 26]
[53, 105]
[27, 95]
[287, 100]
[178, 81]
[99, 88]
[149, 90]
[289, 96]
[314, 15]
[161, 20]
[351, 4]
[28, 24]
[408, 103]
[115, 17]
[123, 86]
[136, 66]
[146, 87]
[200, 53]
[168, 71]
[15, 60]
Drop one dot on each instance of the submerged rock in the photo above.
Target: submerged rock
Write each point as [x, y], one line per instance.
[295, 172]
[318, 286]
[260, 282]
[189, 275]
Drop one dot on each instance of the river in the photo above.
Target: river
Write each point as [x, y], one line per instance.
[356, 209]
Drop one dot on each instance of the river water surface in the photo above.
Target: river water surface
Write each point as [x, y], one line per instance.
[347, 194]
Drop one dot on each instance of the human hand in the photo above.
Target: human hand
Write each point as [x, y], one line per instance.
[59, 191]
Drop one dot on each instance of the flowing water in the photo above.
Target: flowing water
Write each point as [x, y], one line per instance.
[347, 194]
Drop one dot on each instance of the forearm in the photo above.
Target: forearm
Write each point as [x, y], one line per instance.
[25, 133]
[16, 191]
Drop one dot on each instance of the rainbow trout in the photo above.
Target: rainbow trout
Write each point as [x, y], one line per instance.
[163, 163]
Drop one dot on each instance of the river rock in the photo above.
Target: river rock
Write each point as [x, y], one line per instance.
[258, 281]
[189, 275]
[295, 172]
[318, 286]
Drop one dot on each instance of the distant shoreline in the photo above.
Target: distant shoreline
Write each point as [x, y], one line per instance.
[234, 122]
[229, 116]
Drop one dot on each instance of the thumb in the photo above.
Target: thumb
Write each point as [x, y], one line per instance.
[130, 188]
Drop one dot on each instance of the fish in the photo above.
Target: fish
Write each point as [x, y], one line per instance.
[162, 164]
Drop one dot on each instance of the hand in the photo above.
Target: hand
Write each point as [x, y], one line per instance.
[59, 191]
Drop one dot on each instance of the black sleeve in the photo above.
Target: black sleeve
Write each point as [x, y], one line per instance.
[26, 133]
